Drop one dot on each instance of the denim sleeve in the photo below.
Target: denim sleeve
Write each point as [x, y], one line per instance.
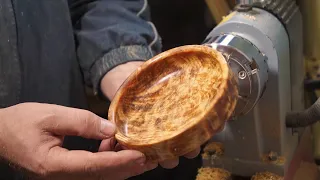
[110, 33]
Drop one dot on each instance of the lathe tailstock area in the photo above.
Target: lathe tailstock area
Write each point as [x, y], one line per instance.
[263, 43]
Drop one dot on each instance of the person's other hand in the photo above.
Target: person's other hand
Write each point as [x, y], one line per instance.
[111, 82]
[31, 136]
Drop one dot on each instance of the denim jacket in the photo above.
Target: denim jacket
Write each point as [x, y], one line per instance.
[45, 42]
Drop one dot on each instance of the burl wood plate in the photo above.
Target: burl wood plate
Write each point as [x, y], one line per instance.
[174, 102]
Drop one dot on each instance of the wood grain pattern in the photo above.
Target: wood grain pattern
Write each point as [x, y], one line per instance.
[174, 102]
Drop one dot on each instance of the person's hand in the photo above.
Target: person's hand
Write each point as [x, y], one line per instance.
[111, 82]
[31, 135]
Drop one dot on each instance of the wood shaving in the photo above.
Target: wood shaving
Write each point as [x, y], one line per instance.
[213, 174]
[273, 158]
[266, 176]
[213, 148]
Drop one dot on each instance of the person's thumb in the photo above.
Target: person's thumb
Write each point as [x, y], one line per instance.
[77, 122]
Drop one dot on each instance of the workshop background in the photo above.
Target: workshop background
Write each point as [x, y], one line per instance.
[181, 22]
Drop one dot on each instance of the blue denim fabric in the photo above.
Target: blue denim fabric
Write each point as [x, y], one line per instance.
[111, 32]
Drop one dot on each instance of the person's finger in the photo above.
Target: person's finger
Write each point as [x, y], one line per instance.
[108, 145]
[122, 164]
[111, 145]
[77, 122]
[169, 164]
[119, 147]
[151, 165]
[193, 154]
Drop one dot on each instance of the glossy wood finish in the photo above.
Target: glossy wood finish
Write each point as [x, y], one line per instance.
[174, 102]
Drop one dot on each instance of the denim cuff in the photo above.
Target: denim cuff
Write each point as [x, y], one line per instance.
[114, 58]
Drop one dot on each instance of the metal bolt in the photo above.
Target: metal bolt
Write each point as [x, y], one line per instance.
[273, 156]
[243, 7]
[242, 75]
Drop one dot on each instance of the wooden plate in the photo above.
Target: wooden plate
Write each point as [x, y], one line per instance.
[174, 102]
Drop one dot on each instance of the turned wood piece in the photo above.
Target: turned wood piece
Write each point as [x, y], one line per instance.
[174, 102]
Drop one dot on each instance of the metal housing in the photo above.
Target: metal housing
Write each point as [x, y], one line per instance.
[262, 130]
[248, 64]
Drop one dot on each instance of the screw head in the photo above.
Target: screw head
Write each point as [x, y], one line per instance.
[242, 75]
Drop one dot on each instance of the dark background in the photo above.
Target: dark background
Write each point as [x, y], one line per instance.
[181, 22]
